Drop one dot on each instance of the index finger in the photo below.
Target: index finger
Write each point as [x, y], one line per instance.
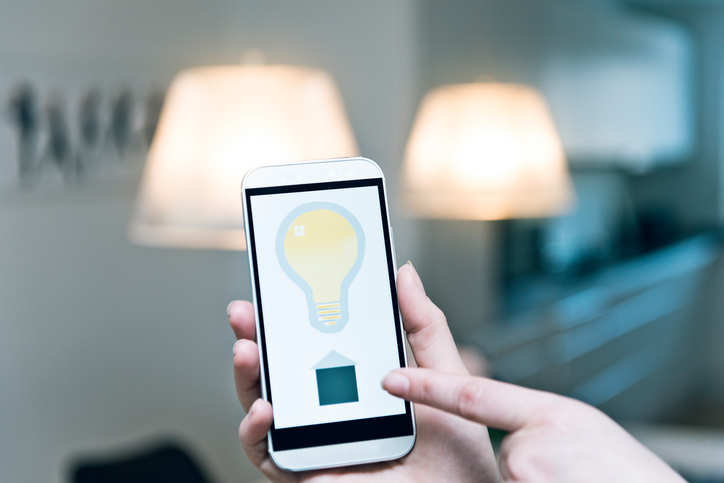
[492, 403]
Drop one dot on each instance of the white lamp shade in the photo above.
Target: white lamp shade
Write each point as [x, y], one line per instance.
[485, 151]
[216, 124]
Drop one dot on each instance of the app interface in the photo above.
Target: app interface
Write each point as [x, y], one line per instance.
[327, 308]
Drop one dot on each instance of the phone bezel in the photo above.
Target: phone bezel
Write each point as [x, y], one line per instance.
[374, 439]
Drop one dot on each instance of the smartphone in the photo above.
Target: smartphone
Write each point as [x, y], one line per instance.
[323, 270]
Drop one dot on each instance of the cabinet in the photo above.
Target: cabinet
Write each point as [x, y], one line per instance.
[625, 340]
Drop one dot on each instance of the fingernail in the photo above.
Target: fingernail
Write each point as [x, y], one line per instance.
[228, 307]
[396, 383]
[235, 344]
[415, 276]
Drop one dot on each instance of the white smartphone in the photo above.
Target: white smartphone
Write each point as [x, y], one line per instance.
[323, 270]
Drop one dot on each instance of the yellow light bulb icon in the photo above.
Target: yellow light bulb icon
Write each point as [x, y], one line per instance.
[320, 246]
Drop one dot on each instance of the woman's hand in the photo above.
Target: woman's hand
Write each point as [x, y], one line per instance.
[448, 447]
[552, 438]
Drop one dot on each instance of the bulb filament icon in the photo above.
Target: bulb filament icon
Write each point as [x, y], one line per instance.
[320, 246]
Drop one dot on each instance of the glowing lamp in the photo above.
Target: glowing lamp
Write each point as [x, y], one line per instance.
[216, 124]
[485, 151]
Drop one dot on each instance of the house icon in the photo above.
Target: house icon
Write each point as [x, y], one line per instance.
[336, 379]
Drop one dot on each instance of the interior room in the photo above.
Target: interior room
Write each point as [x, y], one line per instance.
[606, 288]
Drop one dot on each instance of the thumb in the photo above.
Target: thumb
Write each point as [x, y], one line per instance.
[426, 326]
[491, 403]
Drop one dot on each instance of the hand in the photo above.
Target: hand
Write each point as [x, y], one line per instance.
[553, 438]
[448, 447]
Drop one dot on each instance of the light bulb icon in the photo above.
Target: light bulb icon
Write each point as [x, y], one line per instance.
[320, 246]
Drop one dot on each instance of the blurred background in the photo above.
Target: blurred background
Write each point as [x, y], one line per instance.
[111, 349]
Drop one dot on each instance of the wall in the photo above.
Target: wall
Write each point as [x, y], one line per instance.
[104, 345]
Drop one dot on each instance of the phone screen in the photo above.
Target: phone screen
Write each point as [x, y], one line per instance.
[327, 305]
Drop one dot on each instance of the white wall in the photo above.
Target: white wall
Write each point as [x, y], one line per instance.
[103, 344]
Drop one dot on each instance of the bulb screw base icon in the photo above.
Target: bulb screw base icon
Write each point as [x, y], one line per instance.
[329, 313]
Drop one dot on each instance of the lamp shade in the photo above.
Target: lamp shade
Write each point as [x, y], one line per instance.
[485, 151]
[216, 124]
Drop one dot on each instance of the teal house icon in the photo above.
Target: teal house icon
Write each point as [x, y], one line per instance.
[336, 379]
